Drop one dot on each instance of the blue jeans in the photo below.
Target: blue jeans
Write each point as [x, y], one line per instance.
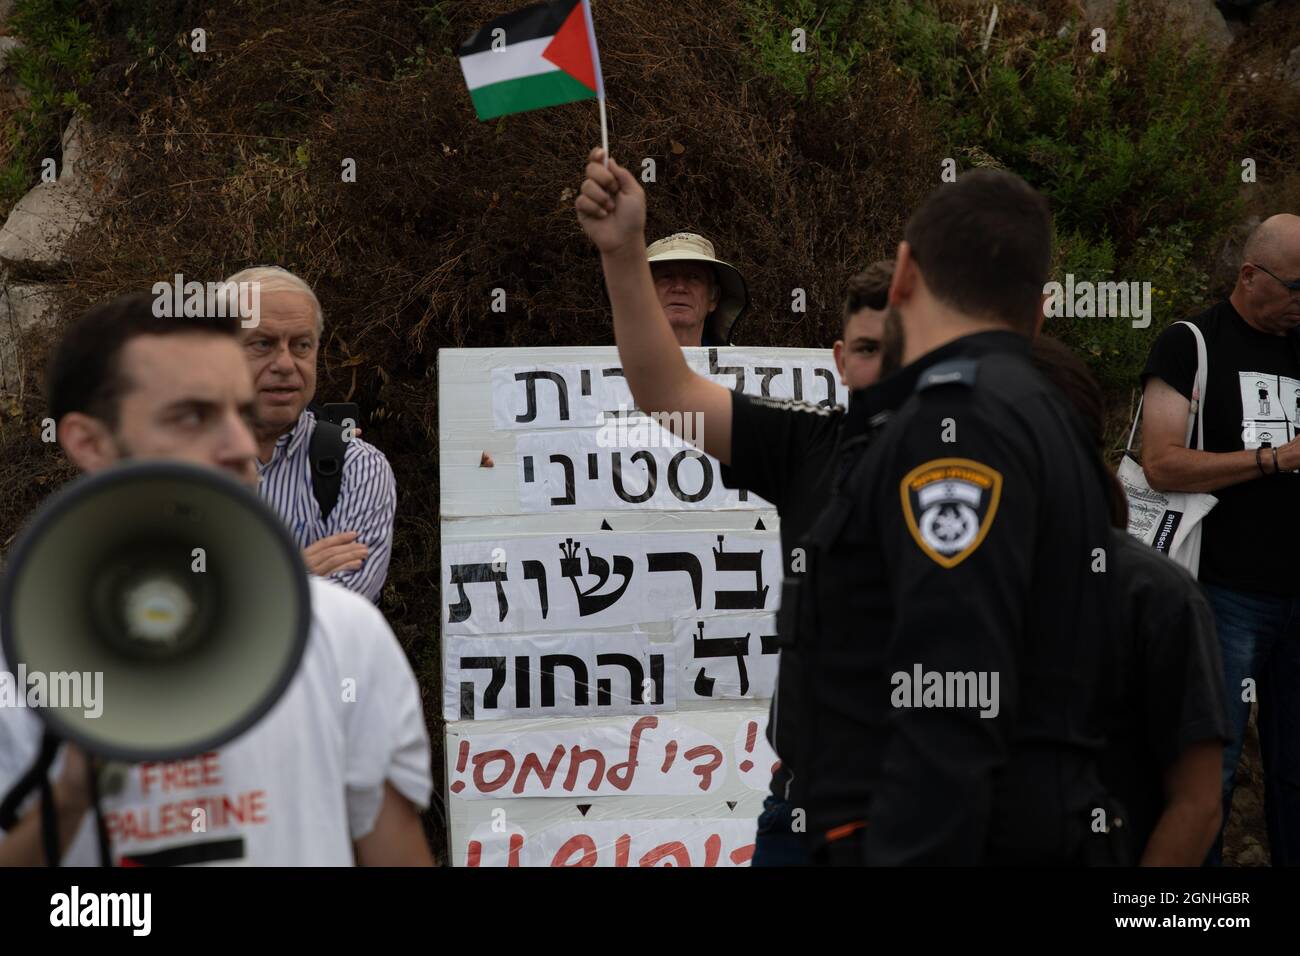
[1259, 635]
[777, 843]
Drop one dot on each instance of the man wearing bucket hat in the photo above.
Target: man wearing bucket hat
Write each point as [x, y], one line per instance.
[702, 296]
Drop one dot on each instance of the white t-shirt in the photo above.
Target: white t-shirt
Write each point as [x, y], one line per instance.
[297, 788]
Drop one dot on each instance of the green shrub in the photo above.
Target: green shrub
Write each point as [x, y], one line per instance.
[55, 63]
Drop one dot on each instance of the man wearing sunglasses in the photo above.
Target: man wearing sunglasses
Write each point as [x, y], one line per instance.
[1249, 571]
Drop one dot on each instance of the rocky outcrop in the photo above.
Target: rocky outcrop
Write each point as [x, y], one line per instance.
[34, 239]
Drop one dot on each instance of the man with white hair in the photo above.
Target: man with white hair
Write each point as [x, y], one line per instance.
[341, 514]
[702, 296]
[1251, 462]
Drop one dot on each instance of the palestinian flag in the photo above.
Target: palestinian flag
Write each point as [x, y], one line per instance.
[542, 55]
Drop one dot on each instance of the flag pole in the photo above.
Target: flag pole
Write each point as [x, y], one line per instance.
[604, 132]
[600, 78]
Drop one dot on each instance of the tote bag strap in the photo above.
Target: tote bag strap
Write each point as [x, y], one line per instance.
[1195, 421]
[1198, 391]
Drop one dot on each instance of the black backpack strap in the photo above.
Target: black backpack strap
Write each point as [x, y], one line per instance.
[326, 452]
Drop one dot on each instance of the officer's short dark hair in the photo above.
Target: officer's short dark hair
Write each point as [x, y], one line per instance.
[84, 374]
[868, 289]
[984, 245]
[1071, 375]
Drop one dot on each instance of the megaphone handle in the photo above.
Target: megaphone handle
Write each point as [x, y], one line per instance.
[28, 782]
[101, 831]
[37, 776]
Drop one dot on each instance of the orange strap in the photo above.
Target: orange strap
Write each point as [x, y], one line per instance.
[840, 832]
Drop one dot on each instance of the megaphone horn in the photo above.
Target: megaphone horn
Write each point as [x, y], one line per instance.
[179, 586]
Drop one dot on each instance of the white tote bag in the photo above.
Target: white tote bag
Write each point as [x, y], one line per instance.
[1170, 521]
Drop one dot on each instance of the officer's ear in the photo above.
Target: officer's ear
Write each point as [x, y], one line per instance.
[906, 275]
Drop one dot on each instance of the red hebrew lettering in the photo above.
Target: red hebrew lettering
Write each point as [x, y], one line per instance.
[670, 754]
[622, 847]
[576, 756]
[705, 771]
[482, 760]
[516, 844]
[676, 849]
[461, 759]
[579, 843]
[742, 854]
[751, 736]
[533, 762]
[475, 853]
[712, 849]
[623, 781]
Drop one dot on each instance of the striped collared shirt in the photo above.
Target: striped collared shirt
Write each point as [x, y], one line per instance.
[366, 503]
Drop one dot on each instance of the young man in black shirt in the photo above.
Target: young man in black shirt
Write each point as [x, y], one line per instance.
[1167, 720]
[780, 451]
[1249, 463]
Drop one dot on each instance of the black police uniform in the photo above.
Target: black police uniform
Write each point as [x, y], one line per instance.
[962, 537]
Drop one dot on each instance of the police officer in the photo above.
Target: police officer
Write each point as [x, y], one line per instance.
[968, 511]
[953, 615]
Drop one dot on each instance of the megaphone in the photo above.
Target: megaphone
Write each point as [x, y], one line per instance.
[179, 586]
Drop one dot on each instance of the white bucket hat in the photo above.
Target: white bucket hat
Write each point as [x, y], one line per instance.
[733, 298]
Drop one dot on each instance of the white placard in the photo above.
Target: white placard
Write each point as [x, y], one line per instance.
[561, 395]
[685, 754]
[604, 579]
[557, 675]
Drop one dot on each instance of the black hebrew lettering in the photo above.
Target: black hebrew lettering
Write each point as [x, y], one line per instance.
[593, 466]
[586, 382]
[536, 571]
[798, 383]
[679, 561]
[498, 667]
[575, 664]
[463, 574]
[657, 677]
[522, 681]
[825, 373]
[530, 391]
[765, 374]
[568, 497]
[739, 561]
[635, 676]
[652, 477]
[706, 469]
[714, 647]
[736, 370]
[589, 602]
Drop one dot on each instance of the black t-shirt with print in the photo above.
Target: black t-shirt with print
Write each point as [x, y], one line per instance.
[781, 451]
[1169, 694]
[1252, 398]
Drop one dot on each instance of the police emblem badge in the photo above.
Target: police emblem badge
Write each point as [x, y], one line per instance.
[949, 504]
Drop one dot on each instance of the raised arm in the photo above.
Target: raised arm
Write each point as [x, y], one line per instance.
[1171, 467]
[611, 209]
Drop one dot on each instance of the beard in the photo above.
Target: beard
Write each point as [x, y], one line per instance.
[892, 341]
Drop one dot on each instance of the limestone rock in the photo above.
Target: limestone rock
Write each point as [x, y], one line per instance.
[21, 308]
[1198, 19]
[36, 236]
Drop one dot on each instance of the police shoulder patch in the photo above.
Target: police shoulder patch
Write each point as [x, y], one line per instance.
[949, 505]
[952, 372]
